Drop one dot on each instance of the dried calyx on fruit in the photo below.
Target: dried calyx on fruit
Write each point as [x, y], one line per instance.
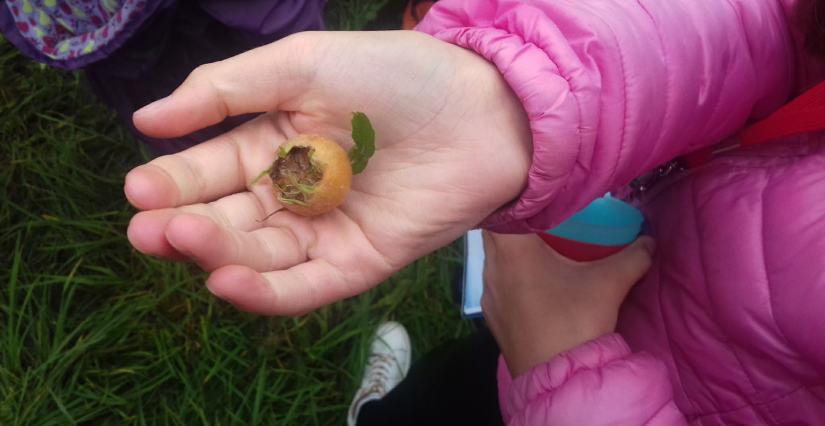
[294, 174]
[312, 174]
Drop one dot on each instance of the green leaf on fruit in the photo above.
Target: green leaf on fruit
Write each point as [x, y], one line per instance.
[364, 137]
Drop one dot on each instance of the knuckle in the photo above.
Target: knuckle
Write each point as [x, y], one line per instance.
[300, 51]
[201, 72]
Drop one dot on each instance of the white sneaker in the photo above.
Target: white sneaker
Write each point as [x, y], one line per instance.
[388, 365]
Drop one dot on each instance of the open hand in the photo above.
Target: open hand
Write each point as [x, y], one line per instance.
[453, 145]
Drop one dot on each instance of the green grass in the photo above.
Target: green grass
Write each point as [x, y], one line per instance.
[94, 333]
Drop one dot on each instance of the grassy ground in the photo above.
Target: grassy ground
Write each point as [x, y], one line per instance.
[93, 333]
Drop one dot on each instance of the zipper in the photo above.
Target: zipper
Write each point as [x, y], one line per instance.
[803, 115]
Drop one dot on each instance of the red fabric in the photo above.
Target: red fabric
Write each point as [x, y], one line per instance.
[579, 251]
[805, 114]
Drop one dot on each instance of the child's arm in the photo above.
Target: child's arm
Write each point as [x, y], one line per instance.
[554, 321]
[614, 88]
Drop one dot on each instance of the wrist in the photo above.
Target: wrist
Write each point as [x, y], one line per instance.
[507, 115]
[521, 357]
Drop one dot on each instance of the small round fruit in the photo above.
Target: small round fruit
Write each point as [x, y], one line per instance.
[311, 175]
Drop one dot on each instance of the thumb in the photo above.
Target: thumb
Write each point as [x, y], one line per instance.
[259, 80]
[628, 266]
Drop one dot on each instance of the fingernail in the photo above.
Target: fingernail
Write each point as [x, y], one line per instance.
[153, 106]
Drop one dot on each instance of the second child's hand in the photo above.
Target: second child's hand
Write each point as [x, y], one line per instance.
[538, 303]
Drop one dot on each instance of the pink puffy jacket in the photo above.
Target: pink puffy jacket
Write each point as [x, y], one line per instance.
[729, 325]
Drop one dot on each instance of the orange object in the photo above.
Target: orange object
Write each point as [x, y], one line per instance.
[415, 13]
[295, 174]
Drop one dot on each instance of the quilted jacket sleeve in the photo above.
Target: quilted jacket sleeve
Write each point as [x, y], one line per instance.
[613, 88]
[598, 383]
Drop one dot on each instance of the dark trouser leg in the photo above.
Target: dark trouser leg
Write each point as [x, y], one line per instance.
[454, 384]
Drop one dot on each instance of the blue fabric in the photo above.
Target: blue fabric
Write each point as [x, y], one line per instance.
[606, 221]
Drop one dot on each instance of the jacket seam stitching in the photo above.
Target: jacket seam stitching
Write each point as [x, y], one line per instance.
[662, 408]
[625, 119]
[731, 349]
[771, 401]
[667, 111]
[767, 279]
[712, 311]
[693, 408]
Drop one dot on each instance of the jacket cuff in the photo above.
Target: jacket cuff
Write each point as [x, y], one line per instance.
[530, 54]
[544, 379]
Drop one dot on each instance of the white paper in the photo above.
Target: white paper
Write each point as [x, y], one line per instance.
[473, 268]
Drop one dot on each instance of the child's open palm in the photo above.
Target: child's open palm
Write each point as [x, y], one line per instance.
[453, 144]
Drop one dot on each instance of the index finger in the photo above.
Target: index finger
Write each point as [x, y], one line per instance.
[211, 170]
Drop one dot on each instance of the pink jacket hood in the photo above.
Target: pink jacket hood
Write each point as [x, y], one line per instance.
[731, 309]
